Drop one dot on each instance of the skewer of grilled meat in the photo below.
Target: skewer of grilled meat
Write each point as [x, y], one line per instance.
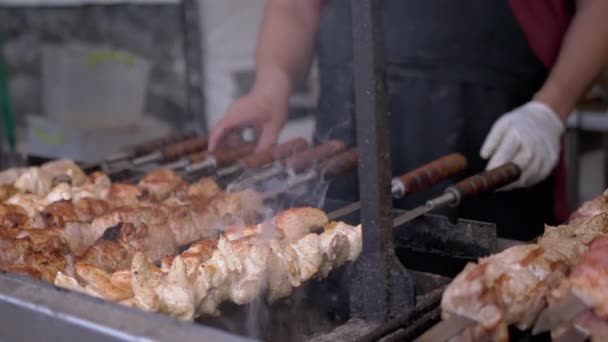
[512, 287]
[97, 195]
[35, 255]
[197, 253]
[64, 223]
[140, 229]
[274, 257]
[587, 284]
[159, 232]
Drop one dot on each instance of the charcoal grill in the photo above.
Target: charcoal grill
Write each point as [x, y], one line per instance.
[318, 311]
[391, 293]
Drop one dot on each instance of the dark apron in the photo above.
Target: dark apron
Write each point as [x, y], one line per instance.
[454, 67]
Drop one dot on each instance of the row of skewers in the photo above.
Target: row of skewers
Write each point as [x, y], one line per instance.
[115, 240]
[140, 225]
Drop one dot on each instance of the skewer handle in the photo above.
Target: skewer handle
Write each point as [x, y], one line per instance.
[231, 155]
[182, 149]
[157, 144]
[198, 157]
[309, 158]
[429, 174]
[277, 152]
[342, 163]
[487, 181]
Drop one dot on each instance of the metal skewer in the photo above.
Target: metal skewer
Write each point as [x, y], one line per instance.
[417, 180]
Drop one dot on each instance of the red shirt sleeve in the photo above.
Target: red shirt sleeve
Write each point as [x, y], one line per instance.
[545, 23]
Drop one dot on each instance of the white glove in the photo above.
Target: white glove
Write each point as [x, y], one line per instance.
[530, 137]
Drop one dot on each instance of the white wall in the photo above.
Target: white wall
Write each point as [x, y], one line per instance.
[230, 29]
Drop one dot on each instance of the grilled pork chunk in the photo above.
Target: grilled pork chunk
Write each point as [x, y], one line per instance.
[161, 183]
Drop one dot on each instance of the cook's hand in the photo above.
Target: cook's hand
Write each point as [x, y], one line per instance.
[266, 114]
[530, 137]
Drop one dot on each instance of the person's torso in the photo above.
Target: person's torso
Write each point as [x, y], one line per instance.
[477, 41]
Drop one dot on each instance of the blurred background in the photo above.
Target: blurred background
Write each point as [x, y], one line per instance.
[81, 78]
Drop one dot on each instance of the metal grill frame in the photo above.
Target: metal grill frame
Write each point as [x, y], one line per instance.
[372, 282]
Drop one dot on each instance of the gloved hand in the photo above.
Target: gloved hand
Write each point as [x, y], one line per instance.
[530, 137]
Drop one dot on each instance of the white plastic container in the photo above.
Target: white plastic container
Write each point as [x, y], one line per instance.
[49, 139]
[93, 87]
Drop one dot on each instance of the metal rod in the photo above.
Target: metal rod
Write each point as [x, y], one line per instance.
[417, 327]
[428, 303]
[370, 294]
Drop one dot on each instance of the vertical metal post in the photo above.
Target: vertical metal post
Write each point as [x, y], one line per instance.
[371, 295]
[193, 51]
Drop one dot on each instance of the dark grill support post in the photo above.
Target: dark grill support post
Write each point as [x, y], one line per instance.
[193, 50]
[370, 289]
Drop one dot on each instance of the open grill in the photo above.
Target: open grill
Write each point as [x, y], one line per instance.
[391, 293]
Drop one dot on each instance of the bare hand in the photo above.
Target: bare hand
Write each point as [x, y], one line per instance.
[267, 114]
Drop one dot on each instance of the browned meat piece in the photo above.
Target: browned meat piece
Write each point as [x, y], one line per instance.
[591, 208]
[23, 270]
[55, 214]
[155, 240]
[203, 219]
[128, 214]
[118, 245]
[161, 183]
[88, 209]
[47, 263]
[124, 195]
[195, 222]
[203, 189]
[58, 213]
[122, 279]
[109, 254]
[563, 240]
[97, 186]
[12, 250]
[6, 191]
[201, 192]
[242, 206]
[198, 253]
[297, 222]
[101, 282]
[78, 235]
[34, 250]
[12, 216]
